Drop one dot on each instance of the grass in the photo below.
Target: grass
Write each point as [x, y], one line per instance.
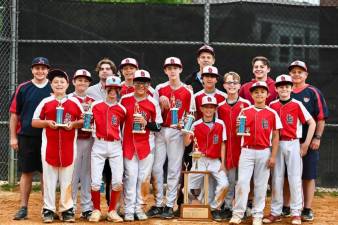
[9, 187]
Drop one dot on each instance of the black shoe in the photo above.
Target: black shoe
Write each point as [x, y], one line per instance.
[21, 214]
[226, 214]
[307, 215]
[154, 212]
[85, 215]
[216, 215]
[177, 212]
[47, 216]
[56, 216]
[68, 215]
[168, 213]
[286, 212]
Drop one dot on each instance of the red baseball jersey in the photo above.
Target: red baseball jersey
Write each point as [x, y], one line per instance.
[108, 119]
[130, 89]
[139, 144]
[184, 100]
[210, 139]
[219, 95]
[228, 114]
[60, 143]
[292, 114]
[260, 123]
[85, 102]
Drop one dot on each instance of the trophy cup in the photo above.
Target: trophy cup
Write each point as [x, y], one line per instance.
[87, 119]
[138, 128]
[242, 129]
[59, 114]
[173, 112]
[196, 154]
[187, 126]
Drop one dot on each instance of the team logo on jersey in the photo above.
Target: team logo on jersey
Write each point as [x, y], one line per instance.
[114, 120]
[215, 139]
[68, 118]
[265, 124]
[178, 103]
[306, 99]
[289, 119]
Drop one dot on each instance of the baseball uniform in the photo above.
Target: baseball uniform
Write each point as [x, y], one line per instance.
[219, 95]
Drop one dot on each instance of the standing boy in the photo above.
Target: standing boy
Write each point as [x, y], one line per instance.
[169, 141]
[228, 111]
[262, 123]
[81, 81]
[58, 148]
[210, 134]
[138, 147]
[109, 117]
[292, 114]
[27, 140]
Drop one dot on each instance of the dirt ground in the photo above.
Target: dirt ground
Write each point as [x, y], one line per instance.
[325, 208]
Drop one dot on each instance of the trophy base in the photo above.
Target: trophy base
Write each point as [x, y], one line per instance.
[173, 125]
[139, 131]
[195, 212]
[61, 125]
[243, 134]
[187, 131]
[87, 129]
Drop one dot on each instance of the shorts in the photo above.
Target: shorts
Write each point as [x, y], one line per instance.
[310, 164]
[29, 154]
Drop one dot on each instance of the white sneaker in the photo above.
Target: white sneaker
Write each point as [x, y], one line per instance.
[141, 216]
[96, 216]
[114, 217]
[257, 221]
[129, 217]
[235, 220]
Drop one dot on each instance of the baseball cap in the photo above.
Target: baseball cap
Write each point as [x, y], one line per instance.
[172, 61]
[210, 70]
[142, 75]
[57, 73]
[298, 63]
[82, 73]
[283, 79]
[206, 48]
[113, 81]
[259, 84]
[128, 61]
[40, 61]
[209, 100]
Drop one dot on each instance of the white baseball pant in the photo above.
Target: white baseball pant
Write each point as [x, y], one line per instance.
[168, 142]
[102, 150]
[212, 165]
[252, 162]
[136, 182]
[82, 174]
[289, 154]
[231, 174]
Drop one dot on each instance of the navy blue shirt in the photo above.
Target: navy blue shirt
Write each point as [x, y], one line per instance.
[314, 102]
[24, 102]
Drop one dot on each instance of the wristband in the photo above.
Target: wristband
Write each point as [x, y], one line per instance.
[317, 136]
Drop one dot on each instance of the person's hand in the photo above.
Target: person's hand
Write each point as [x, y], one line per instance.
[14, 143]
[164, 102]
[271, 162]
[222, 167]
[69, 126]
[51, 124]
[303, 149]
[140, 119]
[315, 143]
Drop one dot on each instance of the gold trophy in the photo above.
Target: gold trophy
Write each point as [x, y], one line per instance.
[138, 128]
[196, 154]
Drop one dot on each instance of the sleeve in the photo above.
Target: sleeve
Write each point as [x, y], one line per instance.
[321, 108]
[156, 94]
[158, 116]
[224, 132]
[16, 102]
[39, 113]
[278, 123]
[303, 114]
[192, 107]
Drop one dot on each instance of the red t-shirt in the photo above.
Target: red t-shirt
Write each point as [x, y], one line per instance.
[219, 95]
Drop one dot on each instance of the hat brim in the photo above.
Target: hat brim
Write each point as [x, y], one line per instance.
[172, 64]
[57, 73]
[277, 84]
[199, 52]
[142, 79]
[291, 67]
[210, 74]
[88, 78]
[255, 87]
[203, 105]
[40, 64]
[126, 64]
[112, 86]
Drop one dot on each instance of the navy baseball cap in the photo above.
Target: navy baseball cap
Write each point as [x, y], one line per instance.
[40, 61]
[57, 73]
[206, 48]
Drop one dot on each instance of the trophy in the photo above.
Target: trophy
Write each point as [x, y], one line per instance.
[173, 112]
[87, 119]
[196, 154]
[187, 126]
[242, 129]
[59, 114]
[138, 128]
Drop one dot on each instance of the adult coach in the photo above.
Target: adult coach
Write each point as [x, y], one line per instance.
[104, 68]
[23, 137]
[260, 69]
[314, 102]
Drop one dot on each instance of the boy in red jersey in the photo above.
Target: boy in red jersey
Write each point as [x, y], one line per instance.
[108, 116]
[210, 134]
[256, 159]
[293, 114]
[138, 147]
[81, 81]
[228, 112]
[58, 149]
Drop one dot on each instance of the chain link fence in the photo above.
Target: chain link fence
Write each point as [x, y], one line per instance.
[77, 34]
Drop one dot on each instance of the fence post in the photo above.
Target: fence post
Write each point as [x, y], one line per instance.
[206, 21]
[12, 175]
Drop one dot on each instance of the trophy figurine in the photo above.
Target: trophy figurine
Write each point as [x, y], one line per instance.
[138, 128]
[87, 119]
[59, 115]
[173, 113]
[196, 154]
[188, 125]
[242, 129]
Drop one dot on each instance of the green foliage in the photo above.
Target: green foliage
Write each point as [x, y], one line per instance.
[142, 1]
[8, 187]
